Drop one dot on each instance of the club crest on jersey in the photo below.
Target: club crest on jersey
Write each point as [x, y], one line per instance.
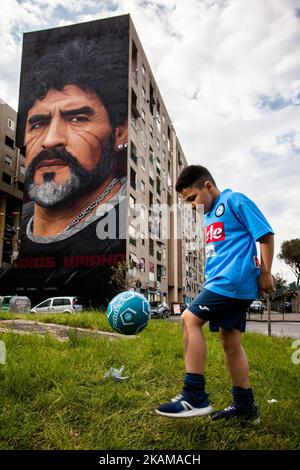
[220, 210]
[215, 232]
[210, 251]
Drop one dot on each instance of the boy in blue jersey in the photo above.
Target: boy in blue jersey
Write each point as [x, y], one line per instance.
[234, 277]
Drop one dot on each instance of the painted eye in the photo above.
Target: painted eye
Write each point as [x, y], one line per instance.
[38, 125]
[79, 119]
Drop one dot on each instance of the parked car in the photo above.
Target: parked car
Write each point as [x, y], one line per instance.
[159, 309]
[285, 307]
[257, 307]
[58, 305]
[5, 302]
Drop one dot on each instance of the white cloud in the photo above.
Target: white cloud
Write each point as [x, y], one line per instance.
[229, 73]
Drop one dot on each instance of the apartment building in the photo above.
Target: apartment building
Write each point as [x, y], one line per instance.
[12, 171]
[161, 232]
[165, 267]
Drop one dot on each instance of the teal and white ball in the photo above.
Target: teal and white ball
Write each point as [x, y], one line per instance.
[128, 312]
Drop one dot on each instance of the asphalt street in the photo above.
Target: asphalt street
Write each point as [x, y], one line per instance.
[283, 328]
[278, 328]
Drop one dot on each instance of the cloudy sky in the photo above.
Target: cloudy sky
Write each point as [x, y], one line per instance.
[229, 73]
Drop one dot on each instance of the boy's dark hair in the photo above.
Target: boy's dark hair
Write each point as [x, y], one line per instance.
[193, 176]
[97, 66]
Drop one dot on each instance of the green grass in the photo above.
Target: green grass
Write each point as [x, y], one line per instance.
[53, 395]
[93, 320]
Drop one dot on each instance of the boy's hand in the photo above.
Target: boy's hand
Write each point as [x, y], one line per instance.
[266, 284]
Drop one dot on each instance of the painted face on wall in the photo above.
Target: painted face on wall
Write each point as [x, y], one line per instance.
[69, 144]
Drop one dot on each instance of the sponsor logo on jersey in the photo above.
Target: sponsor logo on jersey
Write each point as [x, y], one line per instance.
[215, 232]
[210, 251]
[220, 210]
[256, 262]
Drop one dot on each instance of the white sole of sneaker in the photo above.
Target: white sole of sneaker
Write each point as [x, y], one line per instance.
[187, 413]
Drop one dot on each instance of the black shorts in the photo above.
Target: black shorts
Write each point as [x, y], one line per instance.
[221, 312]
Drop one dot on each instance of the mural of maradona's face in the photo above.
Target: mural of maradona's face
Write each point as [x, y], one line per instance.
[69, 144]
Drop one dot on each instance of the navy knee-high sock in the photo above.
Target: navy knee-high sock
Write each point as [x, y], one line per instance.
[194, 385]
[243, 397]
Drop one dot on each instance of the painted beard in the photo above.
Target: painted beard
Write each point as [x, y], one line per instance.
[51, 195]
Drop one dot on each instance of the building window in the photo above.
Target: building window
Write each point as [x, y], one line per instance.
[143, 70]
[164, 155]
[9, 142]
[6, 178]
[142, 265]
[151, 271]
[151, 177]
[158, 143]
[158, 168]
[143, 186]
[20, 186]
[11, 124]
[158, 186]
[143, 213]
[134, 110]
[132, 178]
[8, 160]
[157, 117]
[132, 234]
[133, 153]
[143, 139]
[143, 163]
[151, 156]
[143, 238]
[143, 92]
[151, 130]
[143, 115]
[151, 247]
[150, 199]
[164, 118]
[159, 273]
[132, 205]
[134, 61]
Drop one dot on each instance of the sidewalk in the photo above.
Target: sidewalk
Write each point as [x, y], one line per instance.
[275, 316]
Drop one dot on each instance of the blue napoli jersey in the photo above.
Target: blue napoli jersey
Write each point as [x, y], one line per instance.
[232, 227]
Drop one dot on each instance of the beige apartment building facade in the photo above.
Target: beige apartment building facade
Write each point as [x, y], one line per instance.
[165, 267]
[12, 170]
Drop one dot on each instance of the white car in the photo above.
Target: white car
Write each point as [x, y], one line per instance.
[58, 305]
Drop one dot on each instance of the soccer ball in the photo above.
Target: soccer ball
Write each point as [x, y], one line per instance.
[128, 313]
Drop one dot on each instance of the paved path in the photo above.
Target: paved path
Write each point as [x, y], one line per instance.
[275, 316]
[60, 332]
[278, 328]
[286, 328]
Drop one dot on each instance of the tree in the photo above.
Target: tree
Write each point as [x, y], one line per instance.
[281, 284]
[121, 279]
[290, 254]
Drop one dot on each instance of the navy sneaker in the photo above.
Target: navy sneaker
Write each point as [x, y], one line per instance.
[234, 411]
[184, 406]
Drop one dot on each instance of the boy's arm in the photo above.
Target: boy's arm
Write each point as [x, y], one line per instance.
[265, 280]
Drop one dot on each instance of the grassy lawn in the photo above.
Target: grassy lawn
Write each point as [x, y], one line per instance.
[54, 396]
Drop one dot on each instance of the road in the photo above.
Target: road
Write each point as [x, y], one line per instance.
[278, 328]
